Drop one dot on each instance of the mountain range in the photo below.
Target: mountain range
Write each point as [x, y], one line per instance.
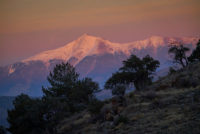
[91, 56]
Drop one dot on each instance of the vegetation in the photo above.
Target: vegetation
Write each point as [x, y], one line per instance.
[179, 53]
[95, 107]
[134, 70]
[119, 90]
[66, 96]
[2, 130]
[163, 108]
[195, 56]
[27, 116]
[121, 119]
[171, 70]
[170, 105]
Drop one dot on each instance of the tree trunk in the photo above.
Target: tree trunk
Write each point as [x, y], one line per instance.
[181, 61]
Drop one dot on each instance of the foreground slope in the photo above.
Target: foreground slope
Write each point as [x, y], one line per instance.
[170, 105]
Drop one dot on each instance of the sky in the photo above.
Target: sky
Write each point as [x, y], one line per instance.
[28, 27]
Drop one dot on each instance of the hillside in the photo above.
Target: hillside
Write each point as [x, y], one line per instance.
[92, 57]
[170, 106]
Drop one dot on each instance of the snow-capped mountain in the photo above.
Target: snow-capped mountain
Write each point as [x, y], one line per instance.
[92, 56]
[87, 45]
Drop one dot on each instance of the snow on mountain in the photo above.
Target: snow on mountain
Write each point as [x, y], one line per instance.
[92, 57]
[11, 70]
[87, 45]
[84, 46]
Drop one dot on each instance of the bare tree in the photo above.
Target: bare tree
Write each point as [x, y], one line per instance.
[179, 53]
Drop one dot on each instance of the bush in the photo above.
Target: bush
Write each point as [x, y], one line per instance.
[185, 82]
[95, 107]
[171, 70]
[121, 119]
[150, 95]
[157, 104]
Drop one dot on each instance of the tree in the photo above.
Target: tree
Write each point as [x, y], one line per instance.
[134, 70]
[66, 95]
[2, 130]
[141, 69]
[62, 80]
[195, 56]
[117, 82]
[119, 90]
[83, 91]
[118, 79]
[27, 116]
[179, 52]
[67, 88]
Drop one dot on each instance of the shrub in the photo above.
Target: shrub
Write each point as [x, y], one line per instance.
[95, 107]
[150, 95]
[171, 70]
[157, 104]
[121, 119]
[185, 82]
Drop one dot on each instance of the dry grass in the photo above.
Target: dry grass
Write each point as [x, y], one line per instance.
[168, 110]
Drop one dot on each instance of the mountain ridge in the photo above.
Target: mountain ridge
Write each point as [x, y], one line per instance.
[87, 45]
[92, 57]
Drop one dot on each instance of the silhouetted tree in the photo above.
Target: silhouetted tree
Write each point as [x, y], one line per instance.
[117, 82]
[66, 95]
[62, 80]
[2, 130]
[119, 90]
[134, 70]
[179, 52]
[27, 117]
[195, 56]
[119, 78]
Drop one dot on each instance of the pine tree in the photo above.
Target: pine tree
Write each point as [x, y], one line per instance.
[27, 117]
[66, 95]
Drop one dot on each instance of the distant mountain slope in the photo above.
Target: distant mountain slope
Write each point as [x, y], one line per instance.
[92, 56]
[6, 103]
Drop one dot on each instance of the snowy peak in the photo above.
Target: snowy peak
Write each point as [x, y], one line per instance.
[83, 46]
[86, 36]
[87, 45]
[157, 40]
